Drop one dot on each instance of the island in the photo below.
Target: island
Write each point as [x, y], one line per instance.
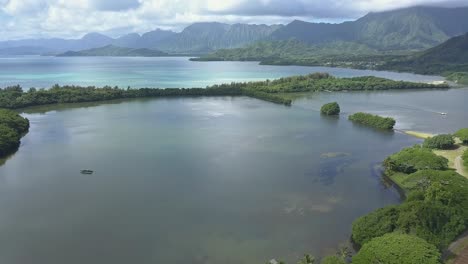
[115, 51]
[373, 120]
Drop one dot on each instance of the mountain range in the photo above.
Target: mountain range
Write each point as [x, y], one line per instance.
[404, 29]
[408, 29]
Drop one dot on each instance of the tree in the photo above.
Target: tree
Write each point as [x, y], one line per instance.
[375, 224]
[330, 109]
[373, 120]
[462, 134]
[416, 158]
[395, 248]
[439, 142]
[9, 140]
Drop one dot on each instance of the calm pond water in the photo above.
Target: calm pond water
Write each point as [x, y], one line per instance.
[37, 71]
[203, 180]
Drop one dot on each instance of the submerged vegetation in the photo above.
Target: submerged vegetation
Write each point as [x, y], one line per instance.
[330, 109]
[12, 127]
[373, 120]
[14, 96]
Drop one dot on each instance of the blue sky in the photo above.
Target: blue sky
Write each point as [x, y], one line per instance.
[74, 18]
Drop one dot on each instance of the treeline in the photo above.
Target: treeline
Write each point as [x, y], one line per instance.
[14, 96]
[373, 120]
[12, 128]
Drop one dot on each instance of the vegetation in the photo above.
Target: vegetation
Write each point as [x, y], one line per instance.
[15, 97]
[373, 120]
[462, 134]
[434, 213]
[330, 109]
[12, 127]
[332, 260]
[395, 248]
[412, 159]
[439, 142]
[375, 224]
[457, 77]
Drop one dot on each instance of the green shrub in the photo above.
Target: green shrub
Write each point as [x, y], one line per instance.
[332, 260]
[412, 159]
[439, 142]
[374, 224]
[436, 210]
[446, 187]
[14, 120]
[462, 134]
[330, 109]
[373, 120]
[397, 248]
[9, 140]
[12, 126]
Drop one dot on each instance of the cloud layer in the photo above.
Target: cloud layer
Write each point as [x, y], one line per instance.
[71, 19]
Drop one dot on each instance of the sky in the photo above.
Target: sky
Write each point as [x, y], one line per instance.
[22, 19]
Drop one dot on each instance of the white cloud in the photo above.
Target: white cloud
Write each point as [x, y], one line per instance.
[73, 18]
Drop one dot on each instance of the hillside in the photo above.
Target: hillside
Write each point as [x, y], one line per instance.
[115, 51]
[448, 57]
[414, 28]
[290, 52]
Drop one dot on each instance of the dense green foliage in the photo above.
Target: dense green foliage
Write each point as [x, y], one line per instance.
[462, 134]
[373, 120]
[14, 121]
[15, 97]
[330, 109]
[332, 260]
[439, 142]
[397, 248]
[111, 50]
[415, 158]
[436, 210]
[12, 127]
[375, 224]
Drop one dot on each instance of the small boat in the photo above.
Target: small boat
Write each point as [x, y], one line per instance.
[87, 172]
[442, 113]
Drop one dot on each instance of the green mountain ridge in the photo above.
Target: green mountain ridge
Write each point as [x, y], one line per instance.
[111, 50]
[414, 28]
[211, 36]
